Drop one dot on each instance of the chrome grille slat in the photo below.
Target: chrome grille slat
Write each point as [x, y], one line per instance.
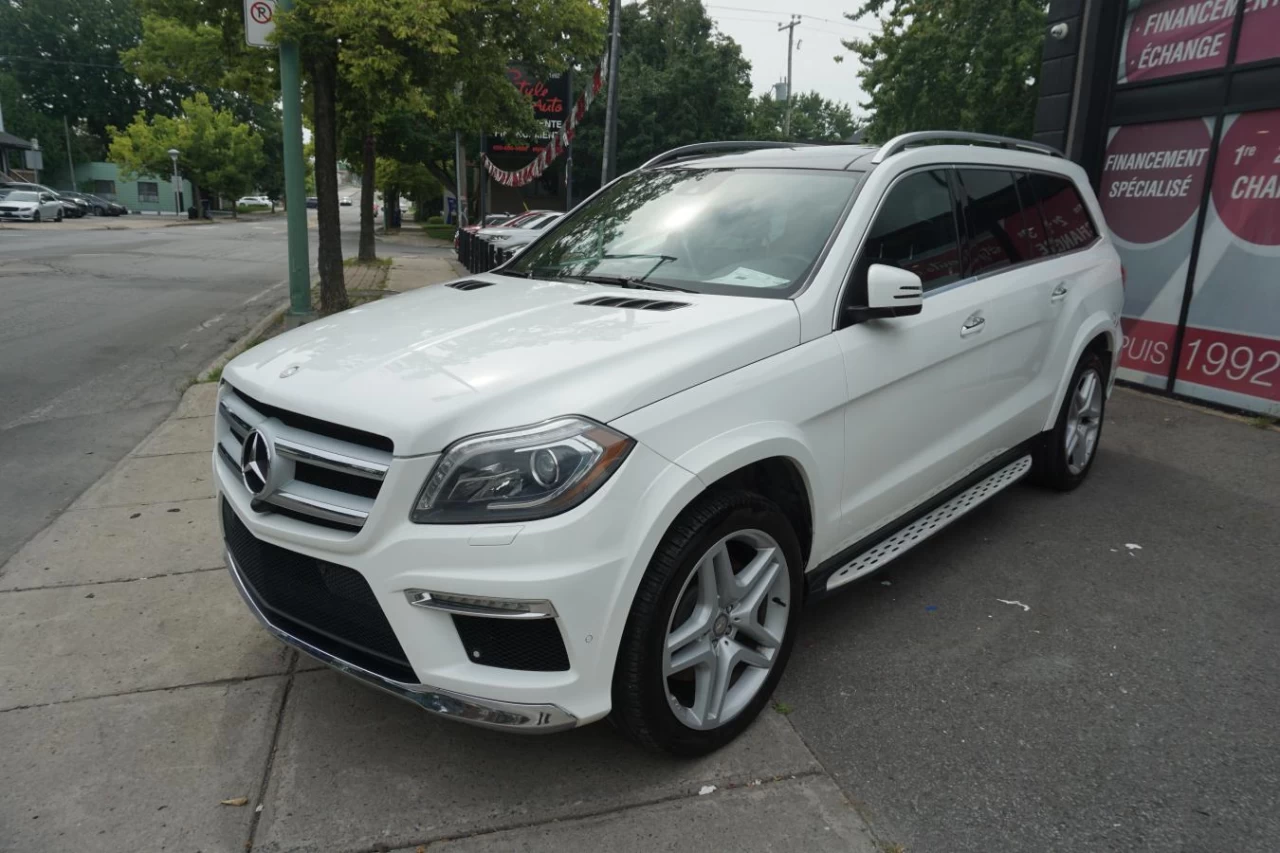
[327, 499]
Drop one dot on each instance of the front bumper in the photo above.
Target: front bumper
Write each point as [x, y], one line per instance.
[586, 563]
[20, 216]
[488, 713]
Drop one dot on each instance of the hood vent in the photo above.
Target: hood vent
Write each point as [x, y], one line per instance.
[470, 285]
[632, 302]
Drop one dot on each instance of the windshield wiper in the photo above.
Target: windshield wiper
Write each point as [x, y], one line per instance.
[628, 281]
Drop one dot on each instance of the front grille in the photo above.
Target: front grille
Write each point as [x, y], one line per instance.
[327, 605]
[324, 473]
[529, 644]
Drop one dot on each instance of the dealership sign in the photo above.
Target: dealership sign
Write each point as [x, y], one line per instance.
[549, 97]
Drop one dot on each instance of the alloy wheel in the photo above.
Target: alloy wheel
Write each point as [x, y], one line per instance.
[726, 629]
[1084, 421]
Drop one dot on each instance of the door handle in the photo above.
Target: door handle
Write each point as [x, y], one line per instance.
[1059, 293]
[973, 325]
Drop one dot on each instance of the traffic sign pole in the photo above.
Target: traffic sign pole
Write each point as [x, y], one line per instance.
[295, 190]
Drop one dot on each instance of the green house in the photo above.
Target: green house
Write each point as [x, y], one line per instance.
[145, 194]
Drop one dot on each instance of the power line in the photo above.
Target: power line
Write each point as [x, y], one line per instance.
[845, 23]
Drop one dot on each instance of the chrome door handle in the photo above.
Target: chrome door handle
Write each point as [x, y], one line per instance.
[1059, 293]
[973, 325]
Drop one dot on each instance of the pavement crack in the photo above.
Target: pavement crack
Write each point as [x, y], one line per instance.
[239, 679]
[74, 584]
[260, 799]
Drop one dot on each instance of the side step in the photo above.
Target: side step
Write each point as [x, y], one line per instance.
[922, 528]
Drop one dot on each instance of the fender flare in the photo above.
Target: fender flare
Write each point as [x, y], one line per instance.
[1100, 323]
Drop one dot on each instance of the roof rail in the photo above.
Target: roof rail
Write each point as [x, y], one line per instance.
[707, 147]
[898, 143]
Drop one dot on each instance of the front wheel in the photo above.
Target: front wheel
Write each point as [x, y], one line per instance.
[1066, 452]
[36, 216]
[58, 216]
[711, 627]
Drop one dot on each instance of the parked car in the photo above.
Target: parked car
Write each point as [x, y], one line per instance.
[313, 202]
[602, 479]
[31, 206]
[489, 247]
[114, 208]
[253, 201]
[345, 201]
[80, 199]
[71, 208]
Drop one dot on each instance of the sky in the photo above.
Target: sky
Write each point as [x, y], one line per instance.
[754, 26]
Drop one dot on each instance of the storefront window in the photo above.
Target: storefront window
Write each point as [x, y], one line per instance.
[1231, 351]
[1153, 179]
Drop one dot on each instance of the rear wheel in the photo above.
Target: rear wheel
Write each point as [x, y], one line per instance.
[711, 627]
[1066, 453]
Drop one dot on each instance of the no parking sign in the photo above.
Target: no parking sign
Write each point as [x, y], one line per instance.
[259, 21]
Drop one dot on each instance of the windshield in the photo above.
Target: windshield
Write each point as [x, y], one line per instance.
[18, 195]
[739, 231]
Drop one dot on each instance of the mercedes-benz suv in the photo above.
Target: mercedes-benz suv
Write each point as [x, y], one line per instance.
[602, 479]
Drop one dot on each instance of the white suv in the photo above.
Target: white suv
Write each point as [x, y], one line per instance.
[603, 479]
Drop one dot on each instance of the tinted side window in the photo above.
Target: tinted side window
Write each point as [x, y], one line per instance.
[1065, 215]
[994, 221]
[915, 229]
[1034, 233]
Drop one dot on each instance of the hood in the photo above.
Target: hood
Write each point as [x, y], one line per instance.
[431, 366]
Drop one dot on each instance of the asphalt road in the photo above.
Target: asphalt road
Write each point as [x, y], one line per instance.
[100, 331]
[1131, 705]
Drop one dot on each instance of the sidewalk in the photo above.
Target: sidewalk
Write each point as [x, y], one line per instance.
[137, 694]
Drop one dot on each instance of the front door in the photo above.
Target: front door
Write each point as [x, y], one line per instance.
[917, 417]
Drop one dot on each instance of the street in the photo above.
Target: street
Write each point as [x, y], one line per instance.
[101, 330]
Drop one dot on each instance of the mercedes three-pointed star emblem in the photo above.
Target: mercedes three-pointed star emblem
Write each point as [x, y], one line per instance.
[255, 463]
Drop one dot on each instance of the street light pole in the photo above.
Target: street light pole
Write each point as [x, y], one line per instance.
[791, 37]
[177, 185]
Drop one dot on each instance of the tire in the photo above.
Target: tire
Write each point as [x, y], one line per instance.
[99, 211]
[36, 216]
[58, 217]
[671, 598]
[1054, 466]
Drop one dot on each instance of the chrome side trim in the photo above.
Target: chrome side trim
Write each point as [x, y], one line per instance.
[468, 605]
[238, 425]
[320, 509]
[332, 461]
[487, 713]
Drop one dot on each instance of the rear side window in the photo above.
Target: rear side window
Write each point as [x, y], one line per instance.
[1066, 218]
[915, 229]
[998, 224]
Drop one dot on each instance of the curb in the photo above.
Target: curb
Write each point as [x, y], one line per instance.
[243, 343]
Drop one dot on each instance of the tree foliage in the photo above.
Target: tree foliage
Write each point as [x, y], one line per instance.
[951, 64]
[679, 81]
[215, 149]
[813, 119]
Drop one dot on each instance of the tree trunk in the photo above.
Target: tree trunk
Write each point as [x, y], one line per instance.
[367, 175]
[195, 200]
[324, 85]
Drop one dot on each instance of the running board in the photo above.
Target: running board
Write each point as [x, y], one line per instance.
[922, 528]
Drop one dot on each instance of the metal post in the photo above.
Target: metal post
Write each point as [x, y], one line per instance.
[177, 184]
[568, 152]
[484, 178]
[295, 187]
[791, 37]
[611, 104]
[70, 163]
[460, 175]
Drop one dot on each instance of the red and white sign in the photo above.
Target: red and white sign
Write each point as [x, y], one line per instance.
[1170, 37]
[259, 22]
[1246, 183]
[1153, 178]
[1260, 33]
[1241, 364]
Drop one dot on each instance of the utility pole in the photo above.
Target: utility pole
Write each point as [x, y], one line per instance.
[791, 38]
[295, 185]
[611, 103]
[460, 175]
[66, 128]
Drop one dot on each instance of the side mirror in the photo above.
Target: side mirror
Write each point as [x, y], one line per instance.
[891, 292]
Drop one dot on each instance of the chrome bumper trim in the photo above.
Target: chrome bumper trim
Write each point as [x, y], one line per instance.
[487, 713]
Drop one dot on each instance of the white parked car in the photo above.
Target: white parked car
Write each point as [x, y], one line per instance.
[254, 201]
[602, 479]
[345, 201]
[30, 205]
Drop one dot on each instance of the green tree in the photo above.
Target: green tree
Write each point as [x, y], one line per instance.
[813, 119]
[679, 81]
[951, 64]
[216, 150]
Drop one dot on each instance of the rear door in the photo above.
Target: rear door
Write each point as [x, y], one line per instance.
[1005, 239]
[917, 414]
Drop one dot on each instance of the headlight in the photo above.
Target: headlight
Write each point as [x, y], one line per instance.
[521, 474]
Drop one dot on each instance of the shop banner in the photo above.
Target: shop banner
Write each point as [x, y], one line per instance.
[1153, 179]
[1231, 349]
[1171, 37]
[1260, 33]
[549, 98]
